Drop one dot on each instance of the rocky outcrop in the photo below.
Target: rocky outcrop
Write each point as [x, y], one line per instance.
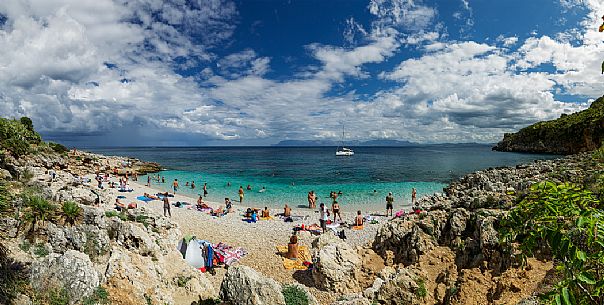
[72, 271]
[337, 265]
[242, 285]
[570, 134]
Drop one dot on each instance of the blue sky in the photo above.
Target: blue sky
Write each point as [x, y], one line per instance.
[220, 72]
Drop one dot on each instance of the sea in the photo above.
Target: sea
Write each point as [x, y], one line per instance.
[287, 174]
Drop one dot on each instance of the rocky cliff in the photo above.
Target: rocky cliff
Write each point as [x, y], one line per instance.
[570, 134]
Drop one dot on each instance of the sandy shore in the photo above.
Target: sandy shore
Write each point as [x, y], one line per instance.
[258, 239]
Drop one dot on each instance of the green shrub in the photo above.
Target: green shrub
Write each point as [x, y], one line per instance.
[294, 295]
[25, 245]
[71, 212]
[182, 281]
[566, 221]
[100, 296]
[58, 148]
[38, 209]
[5, 205]
[110, 214]
[16, 136]
[40, 250]
[58, 297]
[421, 288]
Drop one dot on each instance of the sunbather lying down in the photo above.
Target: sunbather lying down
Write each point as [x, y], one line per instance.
[122, 206]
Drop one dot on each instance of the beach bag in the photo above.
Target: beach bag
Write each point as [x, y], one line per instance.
[194, 254]
[341, 234]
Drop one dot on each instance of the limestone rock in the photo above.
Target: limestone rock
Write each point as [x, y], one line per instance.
[9, 227]
[72, 271]
[337, 265]
[399, 289]
[242, 285]
[352, 299]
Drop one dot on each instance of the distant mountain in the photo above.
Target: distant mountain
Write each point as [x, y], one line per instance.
[570, 134]
[394, 143]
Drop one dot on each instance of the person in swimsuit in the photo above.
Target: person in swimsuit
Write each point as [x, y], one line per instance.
[358, 221]
[175, 185]
[310, 203]
[389, 203]
[413, 196]
[241, 194]
[205, 189]
[324, 216]
[335, 208]
[166, 205]
[266, 212]
[287, 211]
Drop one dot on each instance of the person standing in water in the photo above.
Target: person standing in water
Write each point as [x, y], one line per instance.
[413, 196]
[241, 194]
[389, 203]
[175, 185]
[310, 204]
[205, 189]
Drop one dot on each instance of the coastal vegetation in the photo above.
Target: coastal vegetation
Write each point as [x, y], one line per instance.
[564, 221]
[570, 134]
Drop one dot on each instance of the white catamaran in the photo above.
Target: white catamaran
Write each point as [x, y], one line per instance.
[343, 151]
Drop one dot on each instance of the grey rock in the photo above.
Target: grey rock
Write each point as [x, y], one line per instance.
[9, 227]
[337, 264]
[72, 271]
[242, 285]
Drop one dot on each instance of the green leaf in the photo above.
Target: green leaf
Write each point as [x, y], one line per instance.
[581, 255]
[565, 296]
[586, 277]
[557, 299]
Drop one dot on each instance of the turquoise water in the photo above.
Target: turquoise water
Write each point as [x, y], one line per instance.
[289, 173]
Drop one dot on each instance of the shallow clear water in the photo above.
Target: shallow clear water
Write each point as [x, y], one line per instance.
[288, 173]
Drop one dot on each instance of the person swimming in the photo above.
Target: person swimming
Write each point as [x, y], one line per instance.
[262, 190]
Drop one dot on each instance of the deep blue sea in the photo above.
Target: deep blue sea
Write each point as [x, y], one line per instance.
[288, 173]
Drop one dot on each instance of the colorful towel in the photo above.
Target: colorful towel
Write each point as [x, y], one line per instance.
[297, 264]
[266, 218]
[144, 198]
[357, 227]
[227, 254]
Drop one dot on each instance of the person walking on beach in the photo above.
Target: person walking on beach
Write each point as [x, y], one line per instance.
[205, 189]
[241, 194]
[335, 208]
[413, 196]
[389, 204]
[175, 185]
[166, 205]
[323, 217]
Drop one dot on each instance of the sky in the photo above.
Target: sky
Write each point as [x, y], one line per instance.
[255, 72]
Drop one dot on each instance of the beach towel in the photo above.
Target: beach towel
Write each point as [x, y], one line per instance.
[266, 218]
[143, 198]
[332, 225]
[227, 254]
[296, 264]
[399, 213]
[357, 228]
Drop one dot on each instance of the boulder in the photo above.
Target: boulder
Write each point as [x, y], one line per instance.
[9, 227]
[405, 239]
[337, 265]
[72, 271]
[399, 289]
[133, 236]
[242, 285]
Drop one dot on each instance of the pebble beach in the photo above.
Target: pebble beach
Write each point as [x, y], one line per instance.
[258, 239]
